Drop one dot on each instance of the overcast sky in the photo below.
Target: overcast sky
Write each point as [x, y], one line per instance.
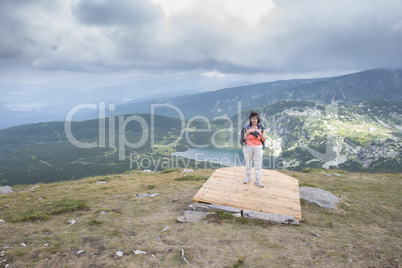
[96, 41]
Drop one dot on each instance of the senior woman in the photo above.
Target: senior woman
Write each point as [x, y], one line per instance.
[253, 146]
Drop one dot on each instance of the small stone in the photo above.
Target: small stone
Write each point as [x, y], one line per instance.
[2, 221]
[102, 212]
[347, 204]
[6, 206]
[188, 170]
[182, 258]
[146, 170]
[326, 174]
[136, 252]
[165, 229]
[33, 188]
[174, 200]
[314, 233]
[153, 256]
[80, 251]
[101, 182]
[72, 222]
[23, 244]
[336, 174]
[46, 245]
[40, 198]
[119, 253]
[146, 195]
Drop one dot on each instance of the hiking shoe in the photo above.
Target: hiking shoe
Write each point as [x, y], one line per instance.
[247, 180]
[259, 184]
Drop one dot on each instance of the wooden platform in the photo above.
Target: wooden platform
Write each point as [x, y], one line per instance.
[280, 194]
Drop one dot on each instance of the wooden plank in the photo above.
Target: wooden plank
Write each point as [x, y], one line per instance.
[280, 194]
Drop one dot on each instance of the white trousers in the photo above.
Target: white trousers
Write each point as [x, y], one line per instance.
[253, 153]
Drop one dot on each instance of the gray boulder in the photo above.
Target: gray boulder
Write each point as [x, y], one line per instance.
[319, 197]
[6, 190]
[270, 217]
[192, 216]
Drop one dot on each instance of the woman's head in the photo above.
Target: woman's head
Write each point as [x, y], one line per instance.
[252, 116]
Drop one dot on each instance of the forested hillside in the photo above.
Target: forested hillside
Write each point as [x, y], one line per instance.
[301, 134]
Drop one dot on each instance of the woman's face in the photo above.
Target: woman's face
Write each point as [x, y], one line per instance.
[254, 120]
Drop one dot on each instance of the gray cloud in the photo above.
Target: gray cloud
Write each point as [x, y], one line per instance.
[294, 37]
[117, 12]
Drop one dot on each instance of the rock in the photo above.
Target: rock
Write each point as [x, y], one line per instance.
[33, 188]
[225, 208]
[72, 222]
[6, 190]
[319, 197]
[199, 206]
[2, 221]
[119, 253]
[182, 257]
[146, 170]
[326, 174]
[270, 217]
[314, 233]
[101, 182]
[146, 195]
[175, 200]
[136, 252]
[102, 212]
[192, 216]
[188, 170]
[165, 229]
[80, 251]
[336, 174]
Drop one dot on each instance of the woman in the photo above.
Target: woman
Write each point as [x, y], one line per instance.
[254, 138]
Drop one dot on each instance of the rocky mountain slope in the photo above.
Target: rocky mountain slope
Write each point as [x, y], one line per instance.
[352, 137]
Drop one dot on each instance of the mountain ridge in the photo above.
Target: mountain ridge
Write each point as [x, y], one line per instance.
[346, 89]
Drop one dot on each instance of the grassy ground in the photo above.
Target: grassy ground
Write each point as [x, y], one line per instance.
[365, 231]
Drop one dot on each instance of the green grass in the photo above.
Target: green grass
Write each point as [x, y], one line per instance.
[192, 178]
[66, 206]
[44, 212]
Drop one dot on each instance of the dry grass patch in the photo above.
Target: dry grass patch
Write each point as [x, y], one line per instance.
[364, 232]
